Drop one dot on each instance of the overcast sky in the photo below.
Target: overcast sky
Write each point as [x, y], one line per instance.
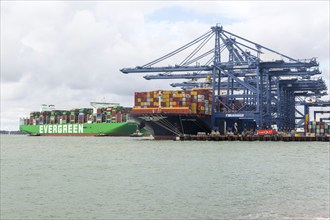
[69, 53]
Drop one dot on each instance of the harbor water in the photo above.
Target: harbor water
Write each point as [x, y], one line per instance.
[140, 178]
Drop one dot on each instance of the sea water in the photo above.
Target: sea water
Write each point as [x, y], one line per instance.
[139, 178]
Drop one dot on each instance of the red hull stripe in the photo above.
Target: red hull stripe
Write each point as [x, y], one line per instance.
[99, 135]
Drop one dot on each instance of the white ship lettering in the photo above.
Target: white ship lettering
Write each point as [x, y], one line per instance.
[61, 129]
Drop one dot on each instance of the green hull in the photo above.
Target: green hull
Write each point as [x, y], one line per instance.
[95, 129]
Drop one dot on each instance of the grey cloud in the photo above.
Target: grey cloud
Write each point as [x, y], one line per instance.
[70, 53]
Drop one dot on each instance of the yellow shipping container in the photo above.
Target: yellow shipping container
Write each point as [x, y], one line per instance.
[139, 99]
[151, 99]
[156, 104]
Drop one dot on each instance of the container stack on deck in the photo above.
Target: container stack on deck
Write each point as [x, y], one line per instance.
[197, 101]
[84, 115]
[111, 114]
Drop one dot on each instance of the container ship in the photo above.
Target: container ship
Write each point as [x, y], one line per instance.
[104, 119]
[172, 113]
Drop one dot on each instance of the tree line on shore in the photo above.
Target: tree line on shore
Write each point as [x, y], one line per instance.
[12, 132]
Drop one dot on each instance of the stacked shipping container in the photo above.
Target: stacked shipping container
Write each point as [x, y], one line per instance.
[196, 101]
[111, 114]
[318, 128]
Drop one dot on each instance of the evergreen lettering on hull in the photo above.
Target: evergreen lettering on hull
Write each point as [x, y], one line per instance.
[62, 129]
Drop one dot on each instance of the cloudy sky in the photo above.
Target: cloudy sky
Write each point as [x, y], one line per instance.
[68, 53]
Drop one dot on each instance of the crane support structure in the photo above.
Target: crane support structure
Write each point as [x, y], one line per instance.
[269, 84]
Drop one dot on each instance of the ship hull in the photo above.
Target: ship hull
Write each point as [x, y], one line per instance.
[85, 129]
[169, 126]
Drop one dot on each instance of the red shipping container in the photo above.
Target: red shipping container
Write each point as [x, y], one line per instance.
[119, 117]
[264, 132]
[31, 120]
[81, 119]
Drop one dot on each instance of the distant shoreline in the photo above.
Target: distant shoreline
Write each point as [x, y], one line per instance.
[12, 132]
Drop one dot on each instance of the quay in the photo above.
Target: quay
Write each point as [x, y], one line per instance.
[252, 138]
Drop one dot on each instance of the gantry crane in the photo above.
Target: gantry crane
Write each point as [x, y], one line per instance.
[241, 70]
